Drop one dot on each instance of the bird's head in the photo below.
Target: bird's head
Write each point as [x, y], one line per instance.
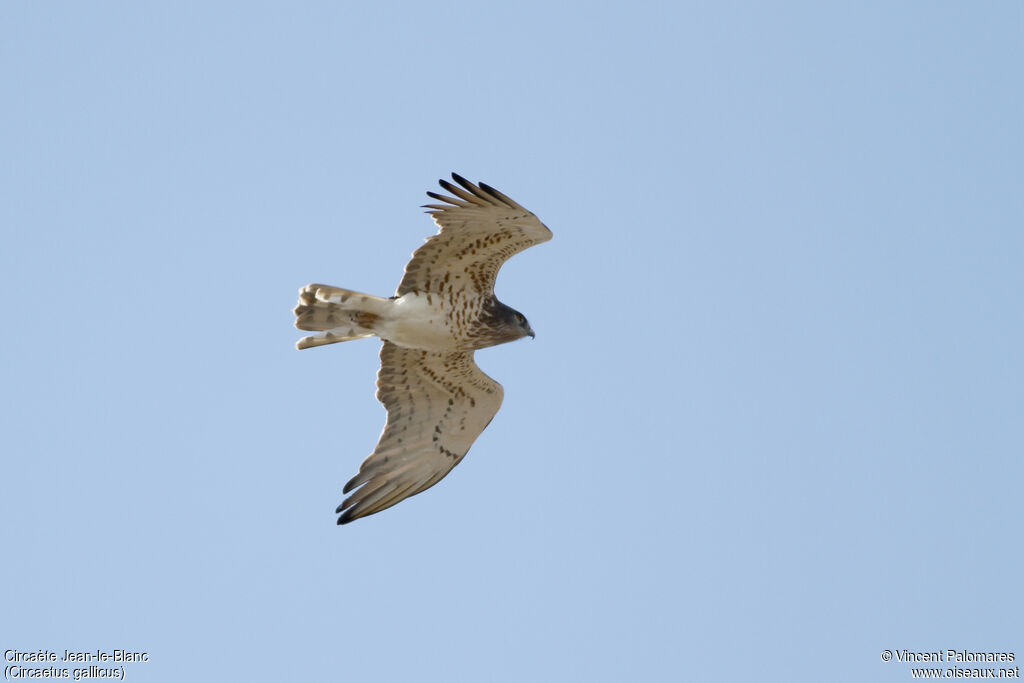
[504, 323]
[522, 325]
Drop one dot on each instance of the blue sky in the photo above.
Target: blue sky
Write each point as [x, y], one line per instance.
[771, 424]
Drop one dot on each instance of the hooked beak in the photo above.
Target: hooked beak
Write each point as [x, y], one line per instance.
[529, 331]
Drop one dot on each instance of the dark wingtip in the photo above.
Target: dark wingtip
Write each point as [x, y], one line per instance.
[462, 181]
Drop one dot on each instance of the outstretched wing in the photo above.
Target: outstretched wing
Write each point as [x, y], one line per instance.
[481, 228]
[437, 403]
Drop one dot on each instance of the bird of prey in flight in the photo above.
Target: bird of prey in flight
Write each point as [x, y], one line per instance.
[438, 401]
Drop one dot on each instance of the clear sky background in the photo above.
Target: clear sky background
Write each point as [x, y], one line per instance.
[772, 423]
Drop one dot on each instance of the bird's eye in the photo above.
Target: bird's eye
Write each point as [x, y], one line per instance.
[520, 319]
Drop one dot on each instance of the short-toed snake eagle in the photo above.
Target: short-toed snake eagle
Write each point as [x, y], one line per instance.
[438, 401]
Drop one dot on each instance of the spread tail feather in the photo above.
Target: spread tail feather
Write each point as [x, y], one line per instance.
[336, 314]
[331, 337]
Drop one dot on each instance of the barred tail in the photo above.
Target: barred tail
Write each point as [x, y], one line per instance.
[336, 314]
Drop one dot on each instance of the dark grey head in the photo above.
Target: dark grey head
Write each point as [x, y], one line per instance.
[500, 323]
